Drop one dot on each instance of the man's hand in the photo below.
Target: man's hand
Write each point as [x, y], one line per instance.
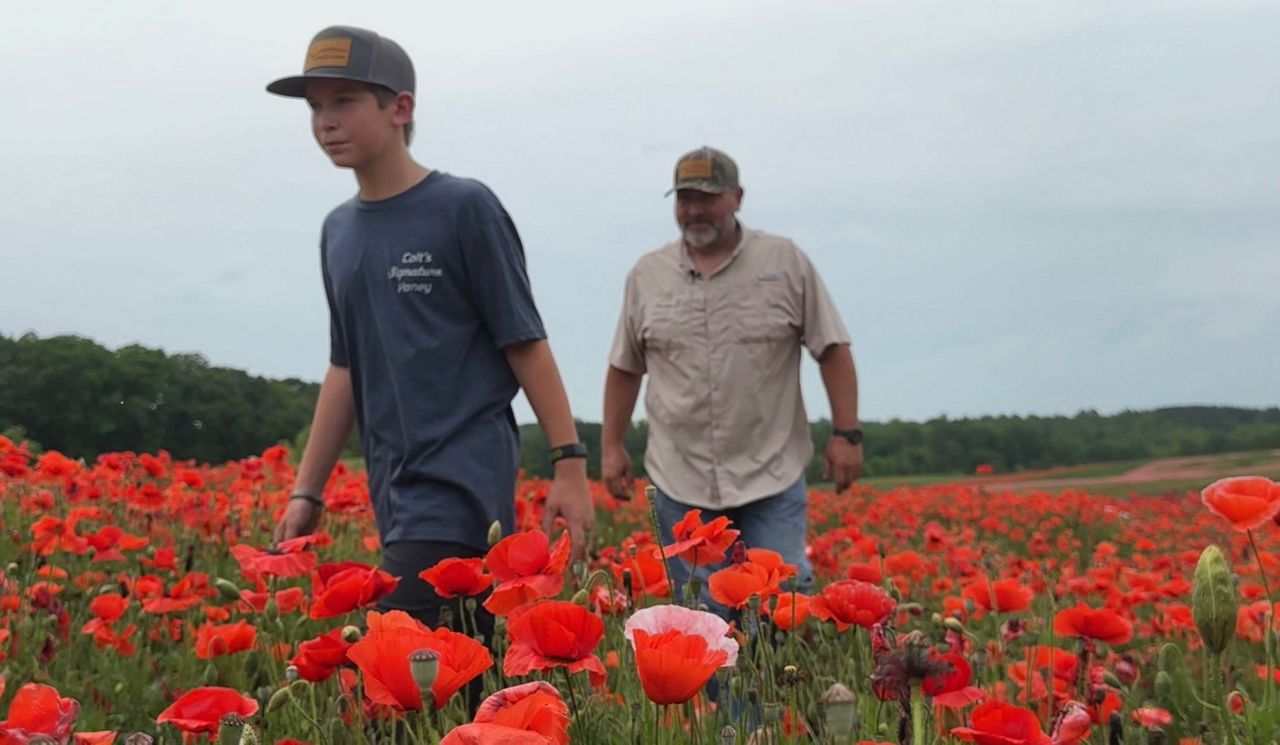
[570, 500]
[616, 472]
[843, 463]
[300, 518]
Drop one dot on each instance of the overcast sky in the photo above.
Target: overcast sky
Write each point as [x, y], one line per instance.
[1018, 207]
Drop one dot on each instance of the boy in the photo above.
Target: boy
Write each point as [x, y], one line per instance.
[433, 330]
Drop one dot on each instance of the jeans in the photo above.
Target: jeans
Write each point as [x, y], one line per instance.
[779, 523]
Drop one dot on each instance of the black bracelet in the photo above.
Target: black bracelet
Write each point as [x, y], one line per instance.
[572, 450]
[313, 499]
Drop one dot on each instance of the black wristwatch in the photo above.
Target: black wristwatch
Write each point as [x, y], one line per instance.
[572, 450]
[854, 436]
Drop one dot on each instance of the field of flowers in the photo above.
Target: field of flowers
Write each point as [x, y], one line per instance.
[140, 601]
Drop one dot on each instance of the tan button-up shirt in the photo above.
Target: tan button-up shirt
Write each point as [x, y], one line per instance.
[727, 423]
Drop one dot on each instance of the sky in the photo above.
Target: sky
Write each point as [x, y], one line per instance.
[1018, 208]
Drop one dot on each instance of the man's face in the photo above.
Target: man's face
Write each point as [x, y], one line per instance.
[347, 122]
[706, 219]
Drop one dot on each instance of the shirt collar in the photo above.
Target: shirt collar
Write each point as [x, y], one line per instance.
[686, 264]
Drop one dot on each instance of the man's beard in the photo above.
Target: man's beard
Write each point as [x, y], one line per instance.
[700, 236]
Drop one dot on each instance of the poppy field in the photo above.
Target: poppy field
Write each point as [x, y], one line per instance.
[141, 601]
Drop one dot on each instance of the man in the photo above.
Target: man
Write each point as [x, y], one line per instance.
[717, 319]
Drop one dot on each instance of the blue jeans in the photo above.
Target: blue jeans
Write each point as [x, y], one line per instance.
[779, 523]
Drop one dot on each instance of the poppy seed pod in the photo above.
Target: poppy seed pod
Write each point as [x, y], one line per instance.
[839, 711]
[495, 533]
[230, 729]
[139, 738]
[424, 666]
[1213, 600]
[351, 634]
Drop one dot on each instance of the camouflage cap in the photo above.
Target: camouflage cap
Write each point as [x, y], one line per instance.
[350, 53]
[705, 169]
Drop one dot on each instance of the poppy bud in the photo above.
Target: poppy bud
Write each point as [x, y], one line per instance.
[424, 666]
[227, 589]
[1213, 600]
[495, 533]
[839, 711]
[299, 687]
[1235, 702]
[1170, 659]
[1111, 680]
[1127, 670]
[351, 634]
[279, 699]
[1163, 685]
[953, 624]
[581, 597]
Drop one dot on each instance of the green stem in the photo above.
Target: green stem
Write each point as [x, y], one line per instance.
[1267, 630]
[917, 716]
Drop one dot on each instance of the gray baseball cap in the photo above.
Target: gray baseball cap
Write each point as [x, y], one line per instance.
[705, 169]
[349, 53]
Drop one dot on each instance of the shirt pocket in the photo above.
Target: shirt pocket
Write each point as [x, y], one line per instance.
[762, 314]
[668, 322]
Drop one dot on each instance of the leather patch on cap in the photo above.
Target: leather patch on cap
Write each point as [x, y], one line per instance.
[694, 169]
[328, 53]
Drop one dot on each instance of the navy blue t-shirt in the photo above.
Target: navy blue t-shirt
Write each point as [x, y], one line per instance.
[425, 289]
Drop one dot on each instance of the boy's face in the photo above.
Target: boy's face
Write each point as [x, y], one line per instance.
[349, 125]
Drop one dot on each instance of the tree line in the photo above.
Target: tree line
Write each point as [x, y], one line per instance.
[71, 394]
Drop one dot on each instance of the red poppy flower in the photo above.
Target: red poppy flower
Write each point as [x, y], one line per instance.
[1073, 724]
[383, 657]
[736, 584]
[202, 709]
[1246, 501]
[700, 544]
[215, 641]
[951, 690]
[318, 658]
[38, 710]
[998, 723]
[516, 714]
[1003, 596]
[1102, 624]
[673, 666]
[648, 573]
[527, 568]
[343, 587]
[553, 633]
[791, 611]
[287, 560]
[1152, 717]
[101, 737]
[453, 577]
[852, 603]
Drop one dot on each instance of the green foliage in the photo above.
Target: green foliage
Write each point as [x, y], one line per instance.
[1009, 443]
[74, 395]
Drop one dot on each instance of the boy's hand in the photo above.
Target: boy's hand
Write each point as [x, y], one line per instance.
[615, 471]
[570, 500]
[300, 518]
